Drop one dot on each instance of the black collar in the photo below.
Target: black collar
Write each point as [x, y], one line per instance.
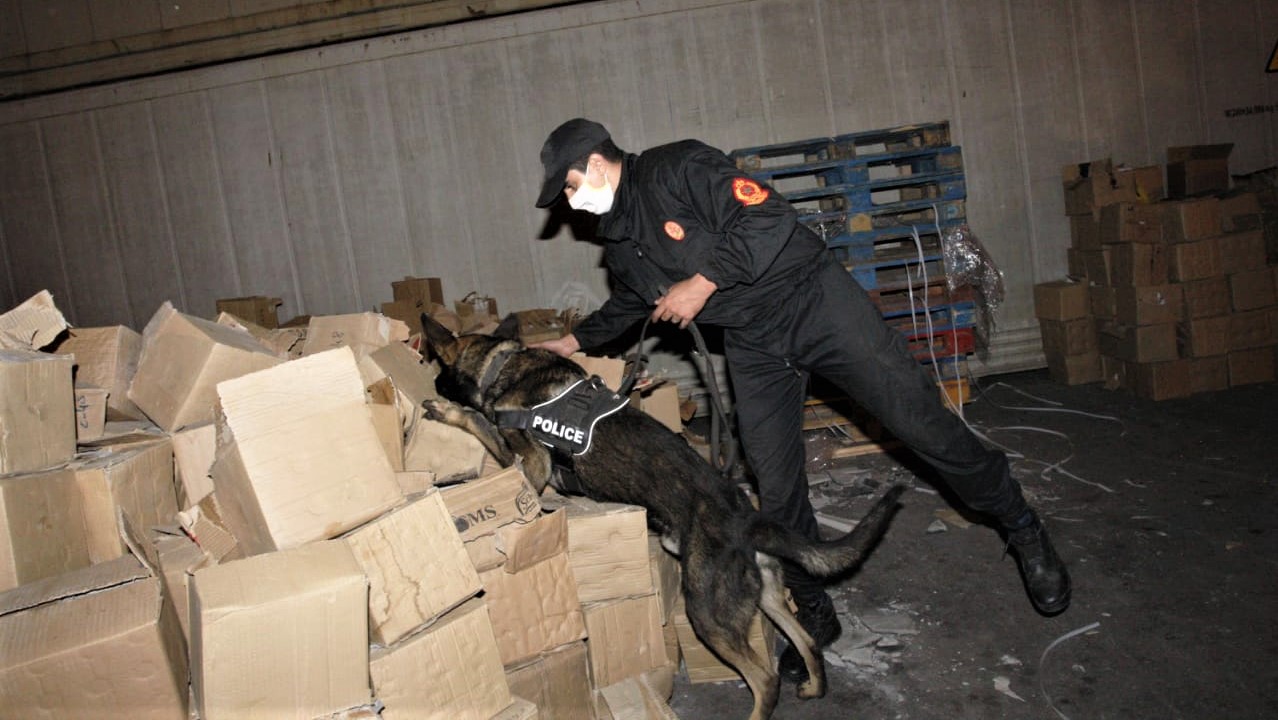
[494, 369]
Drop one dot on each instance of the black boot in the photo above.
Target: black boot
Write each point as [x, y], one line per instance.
[816, 615]
[1046, 578]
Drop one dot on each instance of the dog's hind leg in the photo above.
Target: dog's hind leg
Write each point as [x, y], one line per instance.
[723, 627]
[759, 676]
[772, 601]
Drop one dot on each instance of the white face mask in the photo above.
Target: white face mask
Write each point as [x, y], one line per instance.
[591, 199]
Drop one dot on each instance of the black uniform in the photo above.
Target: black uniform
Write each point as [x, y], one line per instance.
[788, 308]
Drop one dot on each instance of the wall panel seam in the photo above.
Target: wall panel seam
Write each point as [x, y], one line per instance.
[178, 276]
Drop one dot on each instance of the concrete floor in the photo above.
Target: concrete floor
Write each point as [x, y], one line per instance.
[1169, 529]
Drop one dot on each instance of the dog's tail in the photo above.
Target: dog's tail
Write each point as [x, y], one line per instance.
[835, 556]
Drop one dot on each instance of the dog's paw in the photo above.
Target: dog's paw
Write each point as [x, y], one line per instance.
[439, 410]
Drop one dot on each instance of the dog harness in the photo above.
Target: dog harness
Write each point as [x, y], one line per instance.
[567, 421]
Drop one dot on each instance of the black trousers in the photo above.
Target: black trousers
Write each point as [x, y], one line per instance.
[830, 327]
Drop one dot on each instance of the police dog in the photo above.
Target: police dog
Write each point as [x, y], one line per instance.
[730, 554]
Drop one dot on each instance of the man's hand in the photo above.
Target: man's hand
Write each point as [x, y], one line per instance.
[684, 300]
[563, 347]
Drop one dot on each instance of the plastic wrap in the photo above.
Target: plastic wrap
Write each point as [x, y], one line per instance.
[967, 263]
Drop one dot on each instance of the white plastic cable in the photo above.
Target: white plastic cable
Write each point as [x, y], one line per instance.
[1042, 686]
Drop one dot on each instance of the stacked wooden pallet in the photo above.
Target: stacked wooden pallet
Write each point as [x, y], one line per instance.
[883, 201]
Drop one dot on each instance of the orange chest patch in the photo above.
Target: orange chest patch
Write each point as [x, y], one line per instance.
[748, 192]
[674, 230]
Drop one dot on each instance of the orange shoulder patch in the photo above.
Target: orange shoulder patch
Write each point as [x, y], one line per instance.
[674, 230]
[748, 192]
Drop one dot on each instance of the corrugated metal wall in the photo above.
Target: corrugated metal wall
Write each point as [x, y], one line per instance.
[321, 176]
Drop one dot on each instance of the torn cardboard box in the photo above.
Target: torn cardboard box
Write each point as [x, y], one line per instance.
[624, 638]
[194, 448]
[96, 643]
[416, 566]
[33, 324]
[557, 681]
[448, 671]
[533, 610]
[137, 481]
[607, 549]
[449, 453]
[183, 359]
[298, 455]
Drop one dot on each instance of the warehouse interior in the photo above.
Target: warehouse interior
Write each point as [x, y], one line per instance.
[234, 187]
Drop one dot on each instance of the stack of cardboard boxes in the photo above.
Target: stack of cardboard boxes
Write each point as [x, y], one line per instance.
[262, 525]
[1165, 297]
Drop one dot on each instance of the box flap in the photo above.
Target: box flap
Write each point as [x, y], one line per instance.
[33, 324]
[123, 569]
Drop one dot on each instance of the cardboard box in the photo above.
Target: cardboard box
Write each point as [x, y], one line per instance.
[1097, 267]
[523, 545]
[414, 482]
[1075, 369]
[1162, 380]
[1060, 300]
[362, 332]
[642, 697]
[1084, 232]
[1138, 265]
[1148, 343]
[1070, 337]
[1091, 185]
[421, 292]
[1104, 301]
[1204, 337]
[1188, 220]
[204, 524]
[666, 576]
[449, 671]
[183, 359]
[1194, 260]
[1195, 169]
[42, 531]
[1206, 298]
[624, 638]
[662, 403]
[33, 325]
[176, 558]
[284, 343]
[96, 643]
[1150, 305]
[557, 682]
[1248, 367]
[533, 610]
[1252, 289]
[1243, 251]
[136, 481]
[194, 448]
[611, 370]
[107, 357]
[298, 456]
[1114, 372]
[1208, 374]
[406, 312]
[449, 453]
[1076, 268]
[1250, 329]
[413, 381]
[1130, 223]
[90, 413]
[37, 411]
[702, 665]
[257, 309]
[280, 634]
[416, 566]
[607, 549]
[480, 506]
[1240, 212]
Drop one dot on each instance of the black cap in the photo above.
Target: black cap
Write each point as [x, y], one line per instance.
[567, 144]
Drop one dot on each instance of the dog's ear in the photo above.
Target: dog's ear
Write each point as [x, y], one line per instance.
[508, 329]
[440, 339]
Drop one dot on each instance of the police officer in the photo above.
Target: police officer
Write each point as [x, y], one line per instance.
[689, 236]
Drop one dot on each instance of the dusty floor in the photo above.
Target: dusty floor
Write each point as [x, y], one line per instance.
[1169, 529]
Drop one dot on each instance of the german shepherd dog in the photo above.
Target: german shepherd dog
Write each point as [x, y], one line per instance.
[730, 555]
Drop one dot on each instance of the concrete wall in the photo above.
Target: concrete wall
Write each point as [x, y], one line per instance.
[320, 176]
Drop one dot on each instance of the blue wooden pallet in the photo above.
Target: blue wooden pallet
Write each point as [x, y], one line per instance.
[897, 274]
[884, 171]
[947, 316]
[848, 146]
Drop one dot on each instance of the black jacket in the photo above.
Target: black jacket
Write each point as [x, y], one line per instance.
[685, 208]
